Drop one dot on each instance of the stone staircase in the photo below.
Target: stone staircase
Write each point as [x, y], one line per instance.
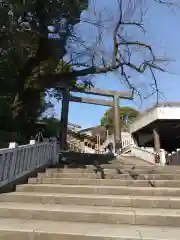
[115, 201]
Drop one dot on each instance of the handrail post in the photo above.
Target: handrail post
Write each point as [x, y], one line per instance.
[162, 157]
[32, 142]
[14, 146]
[33, 156]
[54, 152]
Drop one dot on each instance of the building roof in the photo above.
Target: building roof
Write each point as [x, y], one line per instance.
[166, 111]
[74, 125]
[161, 104]
[88, 129]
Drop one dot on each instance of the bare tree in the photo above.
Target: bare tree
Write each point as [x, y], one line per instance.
[125, 29]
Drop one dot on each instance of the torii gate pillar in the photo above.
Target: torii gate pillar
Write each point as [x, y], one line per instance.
[117, 124]
[64, 119]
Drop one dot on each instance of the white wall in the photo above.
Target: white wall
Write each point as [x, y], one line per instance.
[169, 113]
[144, 119]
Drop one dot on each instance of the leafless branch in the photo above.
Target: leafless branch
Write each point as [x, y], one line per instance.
[124, 49]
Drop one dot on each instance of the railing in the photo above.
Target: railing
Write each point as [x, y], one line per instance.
[145, 154]
[127, 140]
[72, 147]
[142, 153]
[126, 137]
[17, 161]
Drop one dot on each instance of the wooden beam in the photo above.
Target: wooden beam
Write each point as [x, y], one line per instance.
[91, 101]
[96, 91]
[102, 92]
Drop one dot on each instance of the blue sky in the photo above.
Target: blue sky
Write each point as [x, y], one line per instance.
[162, 25]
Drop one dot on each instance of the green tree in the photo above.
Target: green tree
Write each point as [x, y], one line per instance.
[27, 53]
[51, 128]
[24, 27]
[107, 119]
[24, 125]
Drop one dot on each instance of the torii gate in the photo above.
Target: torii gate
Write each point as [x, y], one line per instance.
[67, 97]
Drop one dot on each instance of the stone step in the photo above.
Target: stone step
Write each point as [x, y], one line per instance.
[119, 163]
[50, 171]
[84, 171]
[145, 171]
[92, 214]
[156, 176]
[114, 166]
[149, 167]
[90, 189]
[142, 168]
[31, 229]
[93, 200]
[79, 172]
[116, 162]
[98, 175]
[113, 175]
[92, 169]
[106, 182]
